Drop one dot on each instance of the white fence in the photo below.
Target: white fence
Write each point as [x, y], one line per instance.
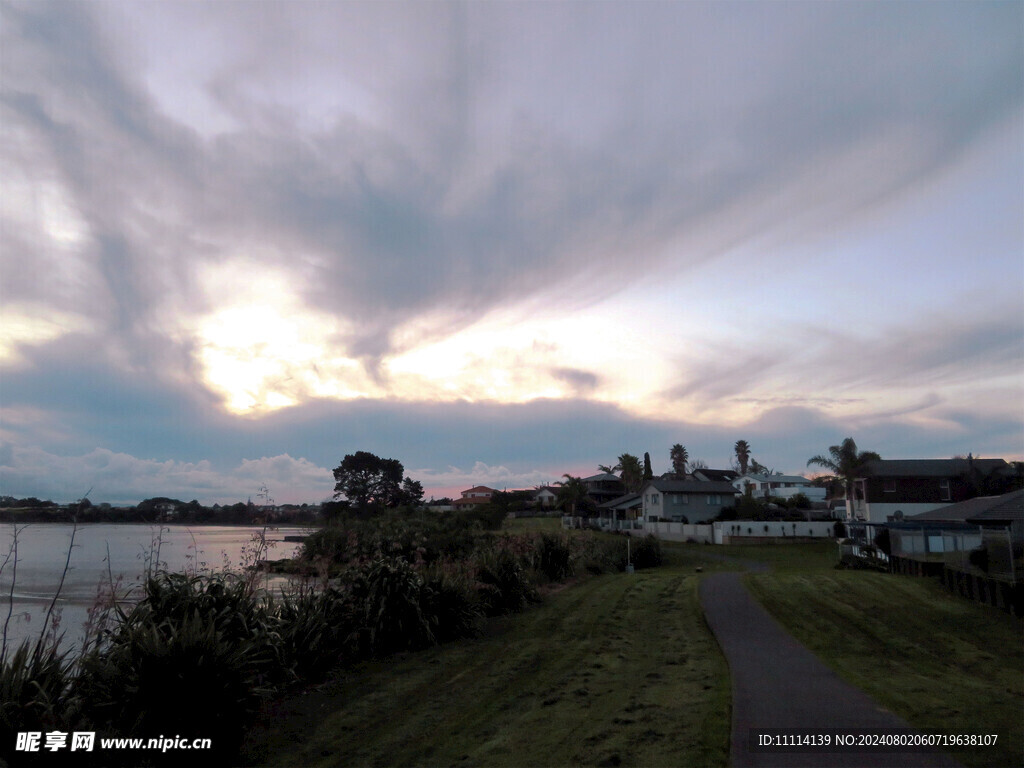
[712, 533]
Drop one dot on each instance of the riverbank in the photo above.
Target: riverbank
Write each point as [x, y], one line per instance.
[552, 686]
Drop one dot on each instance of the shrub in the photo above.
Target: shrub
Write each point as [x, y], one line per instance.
[504, 584]
[453, 605]
[602, 554]
[35, 682]
[883, 541]
[979, 559]
[185, 678]
[554, 557]
[646, 552]
[317, 631]
[389, 598]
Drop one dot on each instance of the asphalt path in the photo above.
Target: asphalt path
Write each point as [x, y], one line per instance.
[777, 684]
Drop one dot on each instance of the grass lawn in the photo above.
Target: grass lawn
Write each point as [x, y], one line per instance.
[944, 664]
[614, 670]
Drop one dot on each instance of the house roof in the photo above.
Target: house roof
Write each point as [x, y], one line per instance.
[717, 474]
[980, 510]
[931, 467]
[604, 477]
[1009, 506]
[623, 502]
[470, 501]
[690, 486]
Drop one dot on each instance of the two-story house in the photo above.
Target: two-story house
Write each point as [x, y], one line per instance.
[476, 495]
[893, 488]
[685, 501]
[604, 487]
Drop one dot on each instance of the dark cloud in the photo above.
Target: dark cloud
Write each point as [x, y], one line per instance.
[582, 382]
[427, 164]
[474, 188]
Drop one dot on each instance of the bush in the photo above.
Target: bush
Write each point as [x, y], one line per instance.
[646, 552]
[554, 557]
[603, 554]
[35, 682]
[979, 559]
[504, 585]
[317, 631]
[453, 604]
[185, 678]
[389, 599]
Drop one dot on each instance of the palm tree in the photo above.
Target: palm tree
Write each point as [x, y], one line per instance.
[679, 456]
[632, 472]
[742, 455]
[845, 463]
[571, 491]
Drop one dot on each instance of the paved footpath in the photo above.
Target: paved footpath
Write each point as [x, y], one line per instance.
[778, 683]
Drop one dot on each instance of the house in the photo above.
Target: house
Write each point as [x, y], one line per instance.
[604, 487]
[685, 501]
[957, 535]
[890, 488]
[545, 497]
[780, 486]
[715, 475]
[623, 513]
[994, 513]
[475, 496]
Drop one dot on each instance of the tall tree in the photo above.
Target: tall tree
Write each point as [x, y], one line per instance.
[679, 457]
[369, 481]
[845, 463]
[412, 492]
[648, 472]
[742, 449]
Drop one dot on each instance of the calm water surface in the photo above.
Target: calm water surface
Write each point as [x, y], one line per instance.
[104, 551]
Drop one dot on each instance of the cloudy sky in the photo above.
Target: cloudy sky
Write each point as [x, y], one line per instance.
[500, 242]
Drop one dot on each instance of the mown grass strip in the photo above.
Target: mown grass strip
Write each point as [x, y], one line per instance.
[944, 664]
[616, 670]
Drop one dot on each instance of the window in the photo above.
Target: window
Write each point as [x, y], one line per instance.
[654, 498]
[890, 486]
[944, 494]
[714, 498]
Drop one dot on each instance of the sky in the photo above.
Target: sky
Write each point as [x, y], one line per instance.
[501, 242]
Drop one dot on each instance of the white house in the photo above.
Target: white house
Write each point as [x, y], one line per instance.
[685, 501]
[781, 486]
[545, 497]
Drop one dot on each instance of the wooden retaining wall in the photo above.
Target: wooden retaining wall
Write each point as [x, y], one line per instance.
[1004, 595]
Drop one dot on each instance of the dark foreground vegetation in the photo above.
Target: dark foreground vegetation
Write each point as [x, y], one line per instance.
[198, 656]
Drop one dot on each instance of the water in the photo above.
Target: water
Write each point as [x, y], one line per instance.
[132, 548]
